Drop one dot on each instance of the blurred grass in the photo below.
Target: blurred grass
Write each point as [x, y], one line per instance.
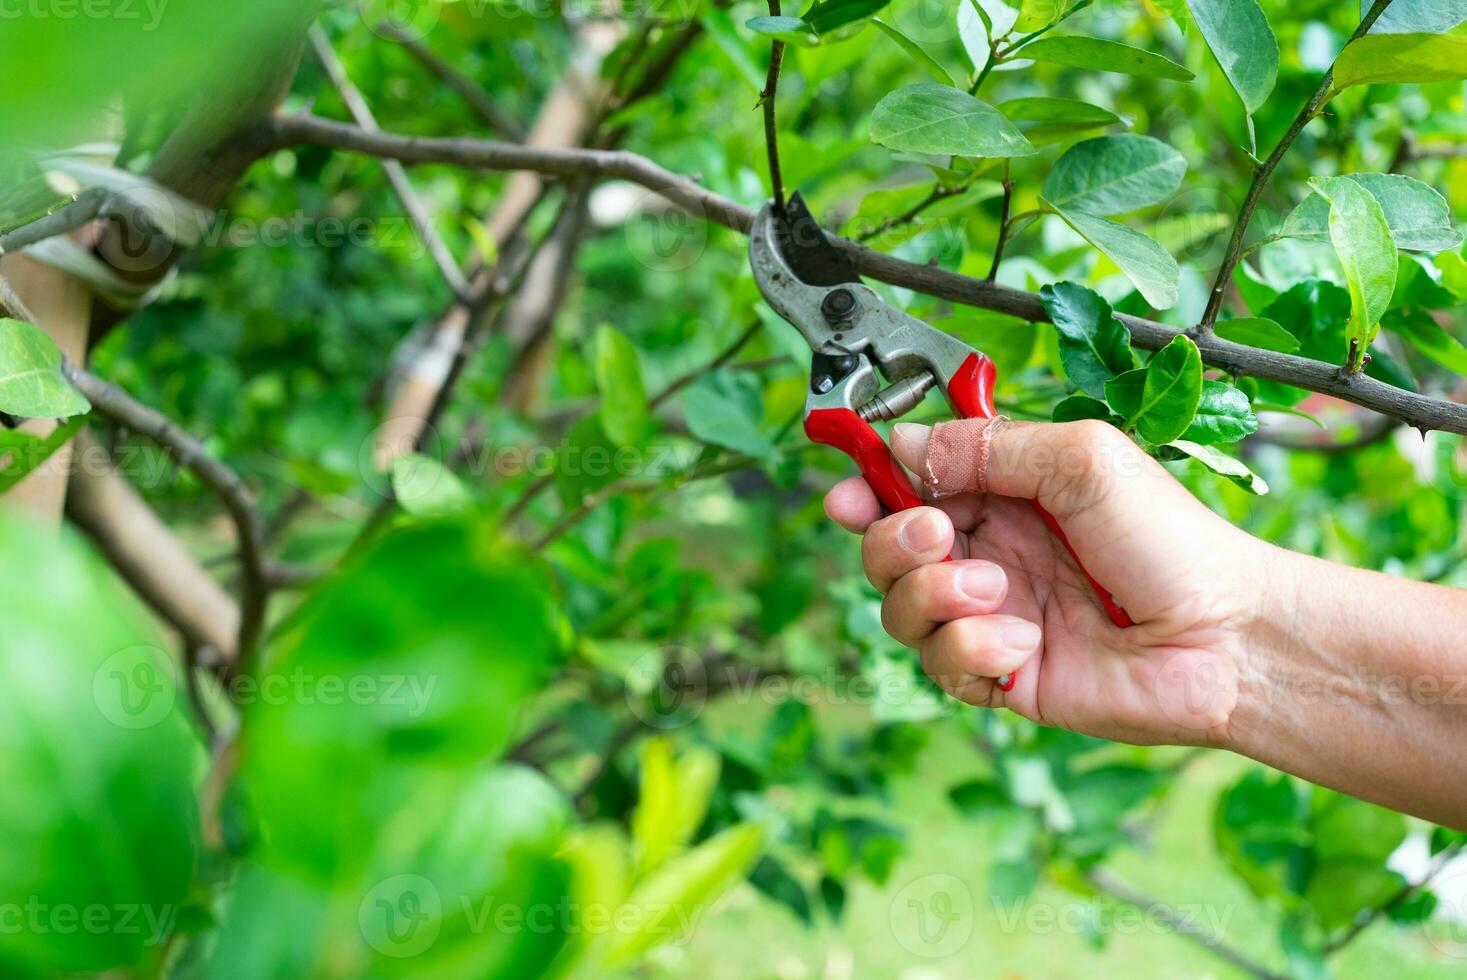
[752, 937]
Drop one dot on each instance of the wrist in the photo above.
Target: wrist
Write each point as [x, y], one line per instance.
[1268, 657]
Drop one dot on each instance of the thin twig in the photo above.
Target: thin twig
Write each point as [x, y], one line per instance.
[62, 221]
[1402, 894]
[767, 99]
[402, 185]
[1003, 222]
[119, 407]
[1265, 171]
[940, 192]
[1181, 924]
[12, 306]
[1417, 410]
[467, 89]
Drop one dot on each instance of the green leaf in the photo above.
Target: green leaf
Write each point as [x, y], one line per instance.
[1094, 345]
[99, 764]
[1037, 14]
[1420, 219]
[1378, 59]
[1077, 407]
[1238, 34]
[1097, 54]
[672, 802]
[22, 453]
[1363, 242]
[1149, 267]
[1114, 175]
[792, 30]
[624, 413]
[669, 902]
[1049, 110]
[424, 487]
[1124, 392]
[914, 51]
[1008, 340]
[1257, 331]
[724, 409]
[979, 798]
[1418, 16]
[31, 383]
[826, 16]
[932, 118]
[1223, 415]
[1429, 337]
[1172, 392]
[1224, 465]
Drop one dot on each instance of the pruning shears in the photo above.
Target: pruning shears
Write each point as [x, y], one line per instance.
[872, 362]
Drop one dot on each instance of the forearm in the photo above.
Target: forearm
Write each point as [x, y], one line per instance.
[1358, 681]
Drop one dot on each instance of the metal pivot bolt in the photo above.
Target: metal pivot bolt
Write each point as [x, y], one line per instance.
[839, 305]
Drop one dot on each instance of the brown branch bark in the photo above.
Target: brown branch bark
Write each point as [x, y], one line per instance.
[114, 404]
[402, 185]
[148, 556]
[1417, 410]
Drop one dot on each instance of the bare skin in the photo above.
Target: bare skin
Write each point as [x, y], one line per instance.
[1347, 678]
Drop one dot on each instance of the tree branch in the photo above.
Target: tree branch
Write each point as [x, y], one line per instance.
[116, 405]
[397, 176]
[1265, 171]
[1409, 407]
[1180, 924]
[771, 127]
[63, 221]
[468, 90]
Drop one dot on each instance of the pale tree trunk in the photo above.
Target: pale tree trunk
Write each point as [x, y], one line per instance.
[561, 123]
[63, 309]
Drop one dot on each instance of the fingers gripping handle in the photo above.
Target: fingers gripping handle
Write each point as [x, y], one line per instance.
[970, 390]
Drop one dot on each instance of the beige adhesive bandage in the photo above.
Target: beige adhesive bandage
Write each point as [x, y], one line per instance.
[957, 456]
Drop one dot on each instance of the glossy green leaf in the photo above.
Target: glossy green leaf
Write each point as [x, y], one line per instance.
[1114, 175]
[790, 29]
[1171, 393]
[1094, 345]
[1419, 218]
[1417, 16]
[31, 382]
[932, 118]
[1257, 331]
[1153, 272]
[100, 765]
[1097, 54]
[1234, 469]
[1124, 393]
[424, 487]
[1050, 110]
[1362, 240]
[914, 51]
[1238, 34]
[826, 16]
[1077, 407]
[1037, 14]
[624, 413]
[724, 409]
[1385, 58]
[1223, 415]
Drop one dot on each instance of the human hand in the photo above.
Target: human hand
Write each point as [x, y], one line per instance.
[1013, 599]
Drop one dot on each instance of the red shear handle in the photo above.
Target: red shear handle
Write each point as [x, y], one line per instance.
[970, 390]
[853, 435]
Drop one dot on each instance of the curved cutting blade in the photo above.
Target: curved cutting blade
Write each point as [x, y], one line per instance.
[808, 251]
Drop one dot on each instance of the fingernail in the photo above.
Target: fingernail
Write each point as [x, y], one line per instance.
[909, 441]
[1019, 635]
[984, 582]
[923, 532]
